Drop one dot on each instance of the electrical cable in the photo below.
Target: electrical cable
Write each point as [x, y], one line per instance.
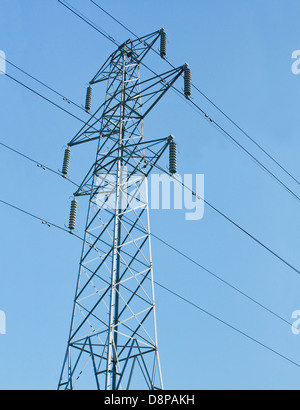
[45, 98]
[54, 104]
[88, 21]
[39, 164]
[227, 324]
[68, 100]
[221, 279]
[229, 220]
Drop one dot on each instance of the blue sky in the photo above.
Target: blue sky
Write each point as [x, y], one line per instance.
[240, 55]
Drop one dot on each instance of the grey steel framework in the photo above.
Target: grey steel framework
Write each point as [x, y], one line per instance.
[113, 339]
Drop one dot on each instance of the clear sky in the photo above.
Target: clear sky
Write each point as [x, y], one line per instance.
[240, 55]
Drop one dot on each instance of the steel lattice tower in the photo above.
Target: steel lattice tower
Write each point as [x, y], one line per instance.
[113, 339]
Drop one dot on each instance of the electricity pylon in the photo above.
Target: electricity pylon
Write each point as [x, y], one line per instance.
[113, 338]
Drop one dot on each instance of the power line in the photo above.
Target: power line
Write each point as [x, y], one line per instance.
[39, 164]
[209, 100]
[116, 20]
[44, 221]
[222, 280]
[177, 295]
[88, 21]
[249, 137]
[230, 220]
[45, 98]
[54, 104]
[68, 100]
[226, 324]
[264, 168]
